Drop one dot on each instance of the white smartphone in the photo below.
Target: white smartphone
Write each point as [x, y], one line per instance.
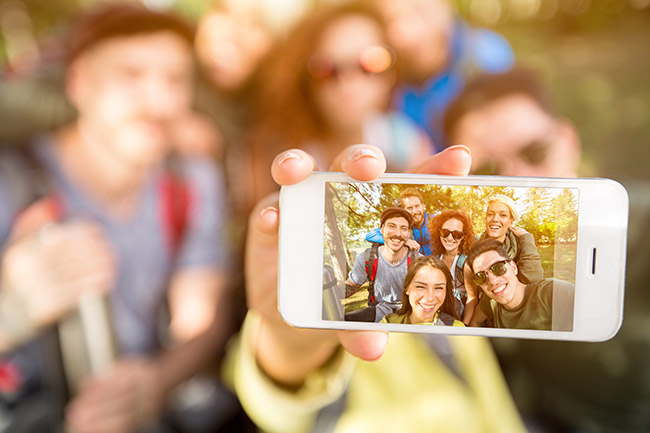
[547, 261]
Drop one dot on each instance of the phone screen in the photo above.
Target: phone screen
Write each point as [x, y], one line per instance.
[435, 254]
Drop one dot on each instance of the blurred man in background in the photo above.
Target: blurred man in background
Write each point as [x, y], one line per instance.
[115, 214]
[508, 122]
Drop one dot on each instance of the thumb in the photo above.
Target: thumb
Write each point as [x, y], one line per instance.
[366, 345]
[261, 261]
[453, 161]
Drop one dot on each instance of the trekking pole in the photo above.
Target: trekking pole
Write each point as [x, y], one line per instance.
[87, 341]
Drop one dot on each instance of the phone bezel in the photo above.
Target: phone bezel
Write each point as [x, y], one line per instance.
[602, 224]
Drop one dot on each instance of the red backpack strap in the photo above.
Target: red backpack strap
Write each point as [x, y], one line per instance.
[374, 269]
[38, 213]
[175, 203]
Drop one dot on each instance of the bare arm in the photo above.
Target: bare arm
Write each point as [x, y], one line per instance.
[478, 317]
[472, 295]
[199, 324]
[529, 261]
[135, 390]
[351, 287]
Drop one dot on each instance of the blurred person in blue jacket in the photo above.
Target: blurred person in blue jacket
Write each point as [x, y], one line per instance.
[438, 53]
[412, 201]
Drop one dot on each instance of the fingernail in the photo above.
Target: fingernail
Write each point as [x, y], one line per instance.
[362, 153]
[287, 156]
[462, 147]
[268, 209]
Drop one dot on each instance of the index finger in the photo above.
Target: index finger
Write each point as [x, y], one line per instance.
[453, 161]
[361, 161]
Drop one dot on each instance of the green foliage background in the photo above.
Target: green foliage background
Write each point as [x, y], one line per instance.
[550, 217]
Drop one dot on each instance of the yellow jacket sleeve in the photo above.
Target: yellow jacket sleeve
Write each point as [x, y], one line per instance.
[273, 408]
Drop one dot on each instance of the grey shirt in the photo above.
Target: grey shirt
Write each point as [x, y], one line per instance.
[389, 281]
[145, 260]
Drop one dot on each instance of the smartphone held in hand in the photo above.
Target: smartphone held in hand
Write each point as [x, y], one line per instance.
[478, 255]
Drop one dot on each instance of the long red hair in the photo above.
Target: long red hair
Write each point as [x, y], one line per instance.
[436, 223]
[286, 115]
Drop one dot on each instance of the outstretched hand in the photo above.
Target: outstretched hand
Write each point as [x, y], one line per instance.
[288, 354]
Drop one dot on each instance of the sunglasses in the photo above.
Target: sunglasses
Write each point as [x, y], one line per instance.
[456, 234]
[533, 153]
[372, 60]
[497, 269]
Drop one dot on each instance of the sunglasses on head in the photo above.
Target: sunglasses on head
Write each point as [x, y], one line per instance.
[497, 269]
[372, 60]
[456, 234]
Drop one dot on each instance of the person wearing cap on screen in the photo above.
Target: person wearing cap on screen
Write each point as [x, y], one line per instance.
[420, 240]
[389, 268]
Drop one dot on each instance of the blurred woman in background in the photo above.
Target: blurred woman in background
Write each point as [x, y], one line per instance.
[330, 86]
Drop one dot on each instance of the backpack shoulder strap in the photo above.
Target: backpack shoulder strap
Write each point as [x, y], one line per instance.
[412, 255]
[175, 199]
[372, 261]
[447, 319]
[461, 261]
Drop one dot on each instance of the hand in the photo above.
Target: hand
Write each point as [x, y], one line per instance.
[120, 400]
[413, 245]
[518, 231]
[287, 354]
[351, 288]
[48, 268]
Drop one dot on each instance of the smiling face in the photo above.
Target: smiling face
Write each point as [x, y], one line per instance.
[395, 232]
[348, 98]
[420, 30]
[128, 92]
[230, 45]
[449, 243]
[414, 206]
[426, 294]
[504, 289]
[498, 220]
[514, 136]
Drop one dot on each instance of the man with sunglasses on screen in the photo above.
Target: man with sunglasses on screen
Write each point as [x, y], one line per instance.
[545, 305]
[519, 245]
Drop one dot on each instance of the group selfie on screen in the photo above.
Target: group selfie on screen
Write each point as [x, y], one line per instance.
[434, 269]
